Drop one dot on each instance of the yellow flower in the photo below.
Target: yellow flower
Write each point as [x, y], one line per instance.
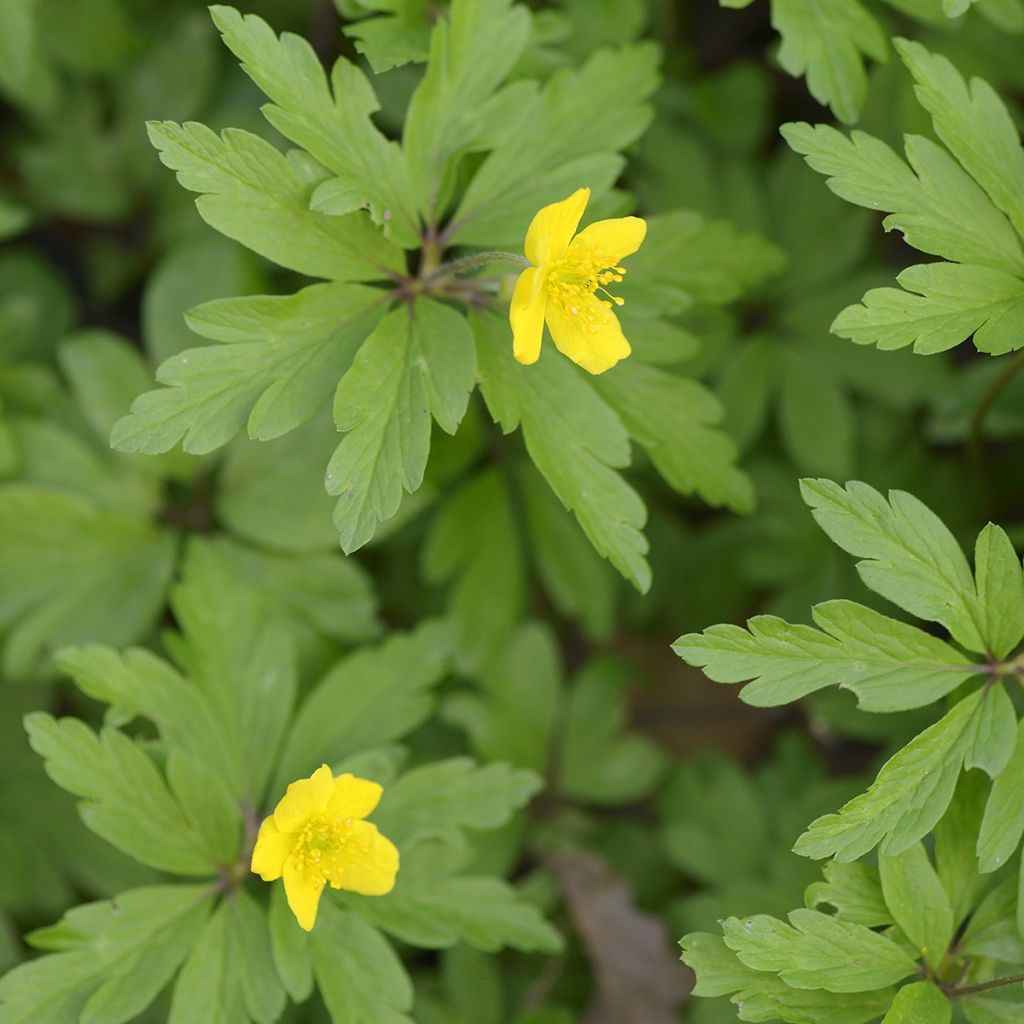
[317, 835]
[563, 285]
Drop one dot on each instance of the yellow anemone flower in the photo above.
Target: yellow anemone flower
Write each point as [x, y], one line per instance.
[563, 285]
[317, 835]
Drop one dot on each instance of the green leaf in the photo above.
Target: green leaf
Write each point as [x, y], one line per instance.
[974, 124]
[471, 52]
[575, 440]
[992, 734]
[910, 794]
[391, 40]
[230, 972]
[941, 305]
[1000, 590]
[568, 145]
[986, 1010]
[71, 571]
[764, 997]
[992, 929]
[687, 260]
[137, 683]
[918, 901]
[412, 367]
[1003, 823]
[290, 947]
[513, 717]
[920, 1003]
[908, 555]
[475, 544]
[937, 206]
[445, 797]
[816, 951]
[240, 658]
[26, 77]
[110, 959]
[580, 583]
[253, 194]
[366, 700]
[827, 40]
[854, 891]
[36, 306]
[675, 420]
[332, 123]
[600, 762]
[195, 271]
[280, 357]
[360, 976]
[128, 802]
[890, 665]
[329, 594]
[430, 908]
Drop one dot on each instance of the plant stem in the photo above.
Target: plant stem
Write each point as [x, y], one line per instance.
[970, 990]
[470, 263]
[995, 389]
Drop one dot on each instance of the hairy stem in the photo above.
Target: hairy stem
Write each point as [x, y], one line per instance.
[470, 263]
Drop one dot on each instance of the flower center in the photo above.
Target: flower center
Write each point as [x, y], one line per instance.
[325, 844]
[574, 279]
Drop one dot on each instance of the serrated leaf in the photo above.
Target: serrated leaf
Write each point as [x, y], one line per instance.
[581, 584]
[854, 891]
[937, 206]
[908, 555]
[992, 734]
[332, 123]
[675, 420]
[918, 901]
[568, 146]
[764, 997]
[974, 124]
[128, 802]
[252, 194]
[828, 40]
[816, 951]
[280, 357]
[414, 366]
[111, 958]
[890, 665]
[575, 440]
[471, 52]
[939, 306]
[910, 794]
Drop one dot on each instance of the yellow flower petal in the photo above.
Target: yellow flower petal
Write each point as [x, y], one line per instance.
[553, 226]
[302, 886]
[526, 315]
[353, 797]
[370, 866]
[616, 239]
[592, 338]
[304, 799]
[271, 850]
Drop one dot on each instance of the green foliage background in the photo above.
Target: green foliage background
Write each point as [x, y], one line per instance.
[274, 492]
